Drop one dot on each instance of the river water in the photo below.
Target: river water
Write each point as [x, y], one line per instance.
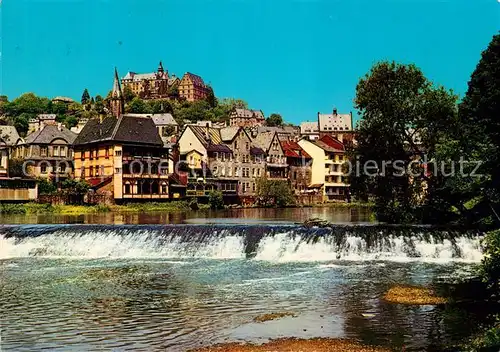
[158, 286]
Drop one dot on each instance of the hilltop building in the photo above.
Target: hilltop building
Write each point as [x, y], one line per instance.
[192, 88]
[152, 85]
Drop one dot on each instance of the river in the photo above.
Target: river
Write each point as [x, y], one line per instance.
[178, 281]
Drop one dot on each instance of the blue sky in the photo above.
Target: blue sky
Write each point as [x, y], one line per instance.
[291, 57]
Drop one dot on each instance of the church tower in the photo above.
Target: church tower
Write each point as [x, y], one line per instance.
[116, 101]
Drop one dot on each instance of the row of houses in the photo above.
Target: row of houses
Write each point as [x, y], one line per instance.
[128, 157]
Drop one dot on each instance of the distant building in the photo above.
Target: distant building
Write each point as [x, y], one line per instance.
[163, 122]
[309, 130]
[334, 122]
[64, 100]
[37, 123]
[327, 159]
[152, 85]
[192, 88]
[79, 126]
[48, 151]
[246, 118]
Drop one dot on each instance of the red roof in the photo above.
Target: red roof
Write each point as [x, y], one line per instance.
[294, 150]
[332, 142]
[197, 80]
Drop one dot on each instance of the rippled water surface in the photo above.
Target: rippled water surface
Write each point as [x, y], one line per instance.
[140, 304]
[90, 287]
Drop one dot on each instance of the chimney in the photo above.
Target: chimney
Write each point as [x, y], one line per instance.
[59, 126]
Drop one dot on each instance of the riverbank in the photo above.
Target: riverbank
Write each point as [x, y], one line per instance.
[41, 209]
[175, 206]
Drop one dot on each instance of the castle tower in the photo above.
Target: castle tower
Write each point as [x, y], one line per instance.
[160, 68]
[116, 101]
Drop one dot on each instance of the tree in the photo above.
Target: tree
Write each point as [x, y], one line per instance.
[59, 108]
[128, 94]
[479, 112]
[274, 192]
[46, 186]
[211, 99]
[16, 167]
[405, 120]
[216, 200]
[99, 104]
[85, 97]
[274, 120]
[160, 106]
[137, 106]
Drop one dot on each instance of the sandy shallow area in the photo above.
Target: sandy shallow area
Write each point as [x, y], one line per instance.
[295, 345]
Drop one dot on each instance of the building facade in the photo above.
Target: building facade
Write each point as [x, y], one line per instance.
[227, 155]
[246, 118]
[192, 88]
[334, 122]
[123, 157]
[152, 85]
[326, 171]
[299, 166]
[48, 152]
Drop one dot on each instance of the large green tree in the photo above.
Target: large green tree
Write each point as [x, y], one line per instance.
[404, 120]
[480, 117]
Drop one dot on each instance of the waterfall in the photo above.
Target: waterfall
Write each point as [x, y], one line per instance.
[254, 242]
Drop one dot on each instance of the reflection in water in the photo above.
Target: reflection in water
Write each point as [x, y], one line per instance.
[276, 215]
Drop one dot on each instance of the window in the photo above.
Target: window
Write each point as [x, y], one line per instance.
[163, 188]
[43, 151]
[253, 186]
[118, 170]
[127, 188]
[63, 167]
[82, 172]
[97, 153]
[56, 150]
[82, 155]
[235, 144]
[91, 171]
[258, 173]
[118, 153]
[106, 152]
[63, 151]
[247, 145]
[97, 171]
[43, 168]
[215, 171]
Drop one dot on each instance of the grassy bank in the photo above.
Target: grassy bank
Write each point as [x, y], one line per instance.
[344, 205]
[35, 208]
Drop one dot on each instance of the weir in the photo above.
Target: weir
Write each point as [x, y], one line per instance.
[254, 242]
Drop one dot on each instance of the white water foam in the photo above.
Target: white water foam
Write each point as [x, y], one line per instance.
[140, 244]
[281, 247]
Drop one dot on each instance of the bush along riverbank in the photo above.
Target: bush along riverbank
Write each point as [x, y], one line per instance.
[38, 209]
